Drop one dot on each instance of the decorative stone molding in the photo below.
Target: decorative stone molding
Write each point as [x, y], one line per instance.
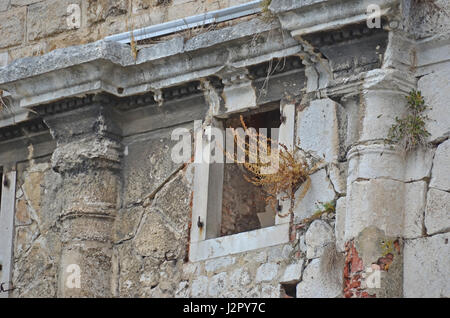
[306, 17]
[109, 66]
[238, 93]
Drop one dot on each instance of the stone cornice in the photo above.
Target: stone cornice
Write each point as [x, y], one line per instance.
[310, 16]
[109, 66]
[379, 79]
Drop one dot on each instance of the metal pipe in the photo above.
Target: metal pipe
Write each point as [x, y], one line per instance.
[216, 16]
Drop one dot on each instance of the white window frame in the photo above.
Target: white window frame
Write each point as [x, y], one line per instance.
[7, 209]
[207, 207]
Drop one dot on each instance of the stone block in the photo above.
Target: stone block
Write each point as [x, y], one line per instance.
[434, 88]
[418, 164]
[267, 272]
[316, 284]
[292, 273]
[339, 228]
[270, 291]
[126, 223]
[4, 59]
[156, 239]
[12, 27]
[47, 18]
[440, 175]
[19, 3]
[415, 198]
[147, 166]
[375, 161]
[426, 267]
[99, 10]
[218, 284]
[318, 235]
[239, 278]
[338, 177]
[317, 129]
[376, 202]
[199, 287]
[320, 190]
[437, 213]
[4, 5]
[219, 263]
[173, 201]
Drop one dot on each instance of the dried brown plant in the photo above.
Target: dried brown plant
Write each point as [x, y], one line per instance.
[281, 183]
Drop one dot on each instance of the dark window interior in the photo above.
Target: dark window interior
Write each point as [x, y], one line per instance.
[243, 204]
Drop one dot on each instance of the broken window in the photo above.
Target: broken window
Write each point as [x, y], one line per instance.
[230, 214]
[244, 205]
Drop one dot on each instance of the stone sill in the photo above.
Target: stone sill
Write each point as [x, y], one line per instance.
[239, 243]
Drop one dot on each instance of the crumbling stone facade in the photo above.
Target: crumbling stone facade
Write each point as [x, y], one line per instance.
[89, 178]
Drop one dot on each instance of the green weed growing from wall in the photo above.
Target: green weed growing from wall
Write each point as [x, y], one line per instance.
[410, 131]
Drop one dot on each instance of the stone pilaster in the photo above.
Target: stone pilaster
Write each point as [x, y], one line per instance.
[376, 190]
[88, 158]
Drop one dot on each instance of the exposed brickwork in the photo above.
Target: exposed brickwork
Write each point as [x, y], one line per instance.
[353, 270]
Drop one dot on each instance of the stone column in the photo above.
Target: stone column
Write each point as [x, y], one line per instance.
[88, 158]
[376, 190]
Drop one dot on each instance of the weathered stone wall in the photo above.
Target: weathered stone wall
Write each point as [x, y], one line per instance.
[108, 196]
[36, 27]
[37, 244]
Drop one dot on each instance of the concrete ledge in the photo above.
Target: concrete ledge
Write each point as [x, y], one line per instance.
[238, 243]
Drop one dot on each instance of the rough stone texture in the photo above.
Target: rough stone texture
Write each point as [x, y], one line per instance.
[434, 90]
[339, 228]
[217, 285]
[4, 59]
[37, 233]
[428, 19]
[292, 273]
[441, 167]
[56, 11]
[158, 237]
[319, 235]
[218, 263]
[320, 190]
[4, 5]
[266, 272]
[377, 202]
[99, 10]
[316, 284]
[437, 213]
[418, 164]
[20, 3]
[127, 223]
[415, 199]
[199, 287]
[338, 177]
[426, 267]
[375, 161]
[12, 27]
[113, 201]
[317, 129]
[147, 166]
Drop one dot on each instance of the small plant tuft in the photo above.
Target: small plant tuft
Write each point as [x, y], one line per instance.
[410, 131]
[322, 208]
[266, 14]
